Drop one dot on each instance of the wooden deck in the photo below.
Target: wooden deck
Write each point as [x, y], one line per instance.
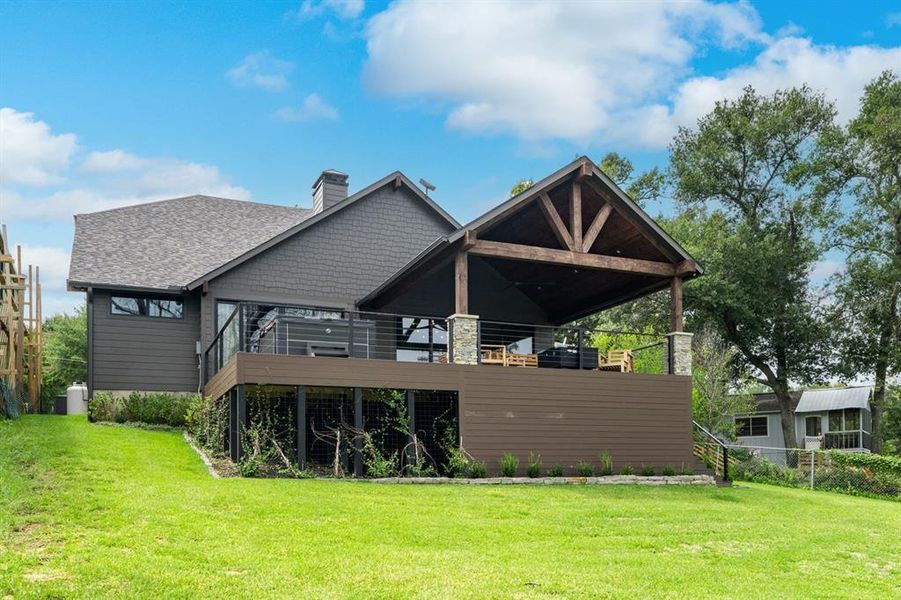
[564, 415]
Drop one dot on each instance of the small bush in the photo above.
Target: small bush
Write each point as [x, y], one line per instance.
[555, 471]
[457, 463]
[103, 407]
[141, 407]
[686, 470]
[606, 463]
[647, 471]
[628, 470]
[533, 469]
[669, 470]
[478, 470]
[584, 469]
[508, 464]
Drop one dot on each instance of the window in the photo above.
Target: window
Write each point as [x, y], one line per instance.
[136, 306]
[844, 420]
[750, 426]
[814, 426]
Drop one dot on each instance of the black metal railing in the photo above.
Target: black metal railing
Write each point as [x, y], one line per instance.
[712, 450]
[566, 347]
[847, 440]
[279, 329]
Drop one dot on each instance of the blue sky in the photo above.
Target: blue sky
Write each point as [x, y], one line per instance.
[113, 103]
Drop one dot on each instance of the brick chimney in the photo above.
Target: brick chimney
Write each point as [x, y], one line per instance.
[330, 189]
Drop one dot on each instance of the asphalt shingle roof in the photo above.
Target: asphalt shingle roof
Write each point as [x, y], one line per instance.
[190, 237]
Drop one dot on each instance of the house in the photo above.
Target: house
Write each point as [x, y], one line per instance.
[383, 289]
[830, 418]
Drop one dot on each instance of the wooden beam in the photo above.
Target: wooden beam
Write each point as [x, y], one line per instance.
[596, 225]
[461, 283]
[572, 259]
[676, 304]
[584, 171]
[397, 182]
[469, 239]
[575, 215]
[553, 217]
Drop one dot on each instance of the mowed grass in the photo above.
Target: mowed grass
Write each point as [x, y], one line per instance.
[96, 511]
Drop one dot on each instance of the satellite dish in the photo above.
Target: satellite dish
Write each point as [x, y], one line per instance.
[428, 186]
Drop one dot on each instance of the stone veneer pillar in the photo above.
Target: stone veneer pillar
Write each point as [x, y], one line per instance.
[679, 343]
[464, 339]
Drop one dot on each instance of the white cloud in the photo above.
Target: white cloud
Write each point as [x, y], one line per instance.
[29, 153]
[344, 9]
[100, 181]
[261, 70]
[592, 71]
[893, 19]
[113, 161]
[313, 108]
[826, 268]
[841, 73]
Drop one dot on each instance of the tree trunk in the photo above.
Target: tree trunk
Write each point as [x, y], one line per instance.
[884, 347]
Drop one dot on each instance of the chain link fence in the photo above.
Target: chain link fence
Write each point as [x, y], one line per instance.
[854, 473]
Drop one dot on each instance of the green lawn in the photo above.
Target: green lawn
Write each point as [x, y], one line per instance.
[93, 511]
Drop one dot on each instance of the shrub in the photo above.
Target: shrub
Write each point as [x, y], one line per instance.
[628, 470]
[207, 420]
[555, 471]
[478, 469]
[584, 469]
[647, 471]
[102, 407]
[669, 470]
[606, 463]
[877, 463]
[508, 464]
[533, 469]
[686, 470]
[458, 465]
[141, 407]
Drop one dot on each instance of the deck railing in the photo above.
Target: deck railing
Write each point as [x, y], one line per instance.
[266, 328]
[847, 440]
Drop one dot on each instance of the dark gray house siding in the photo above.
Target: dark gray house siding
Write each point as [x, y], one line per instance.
[143, 353]
[336, 261]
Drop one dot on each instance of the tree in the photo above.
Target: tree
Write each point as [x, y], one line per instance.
[891, 426]
[641, 188]
[521, 186]
[740, 175]
[862, 161]
[716, 398]
[65, 352]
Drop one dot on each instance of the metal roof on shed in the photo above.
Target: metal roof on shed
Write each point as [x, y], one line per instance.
[834, 399]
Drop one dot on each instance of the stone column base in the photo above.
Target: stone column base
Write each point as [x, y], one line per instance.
[464, 339]
[677, 353]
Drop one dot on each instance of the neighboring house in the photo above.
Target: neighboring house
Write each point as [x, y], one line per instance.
[384, 289]
[831, 418]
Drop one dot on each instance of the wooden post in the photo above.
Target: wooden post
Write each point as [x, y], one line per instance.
[461, 284]
[301, 424]
[575, 215]
[358, 425]
[676, 304]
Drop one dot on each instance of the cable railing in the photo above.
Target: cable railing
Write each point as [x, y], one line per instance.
[566, 347]
[293, 330]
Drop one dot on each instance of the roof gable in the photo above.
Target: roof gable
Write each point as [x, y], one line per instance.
[397, 179]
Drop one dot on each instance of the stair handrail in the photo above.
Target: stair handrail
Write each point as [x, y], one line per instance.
[724, 448]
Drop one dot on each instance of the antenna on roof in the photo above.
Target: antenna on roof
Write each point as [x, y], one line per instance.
[428, 186]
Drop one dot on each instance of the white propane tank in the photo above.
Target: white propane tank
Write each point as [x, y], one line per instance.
[77, 398]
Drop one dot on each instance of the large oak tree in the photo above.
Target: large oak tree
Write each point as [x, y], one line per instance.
[739, 174]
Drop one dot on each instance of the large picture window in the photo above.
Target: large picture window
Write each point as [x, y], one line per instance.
[136, 306]
[750, 426]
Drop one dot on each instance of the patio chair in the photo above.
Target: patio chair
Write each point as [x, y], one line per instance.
[618, 360]
[494, 354]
